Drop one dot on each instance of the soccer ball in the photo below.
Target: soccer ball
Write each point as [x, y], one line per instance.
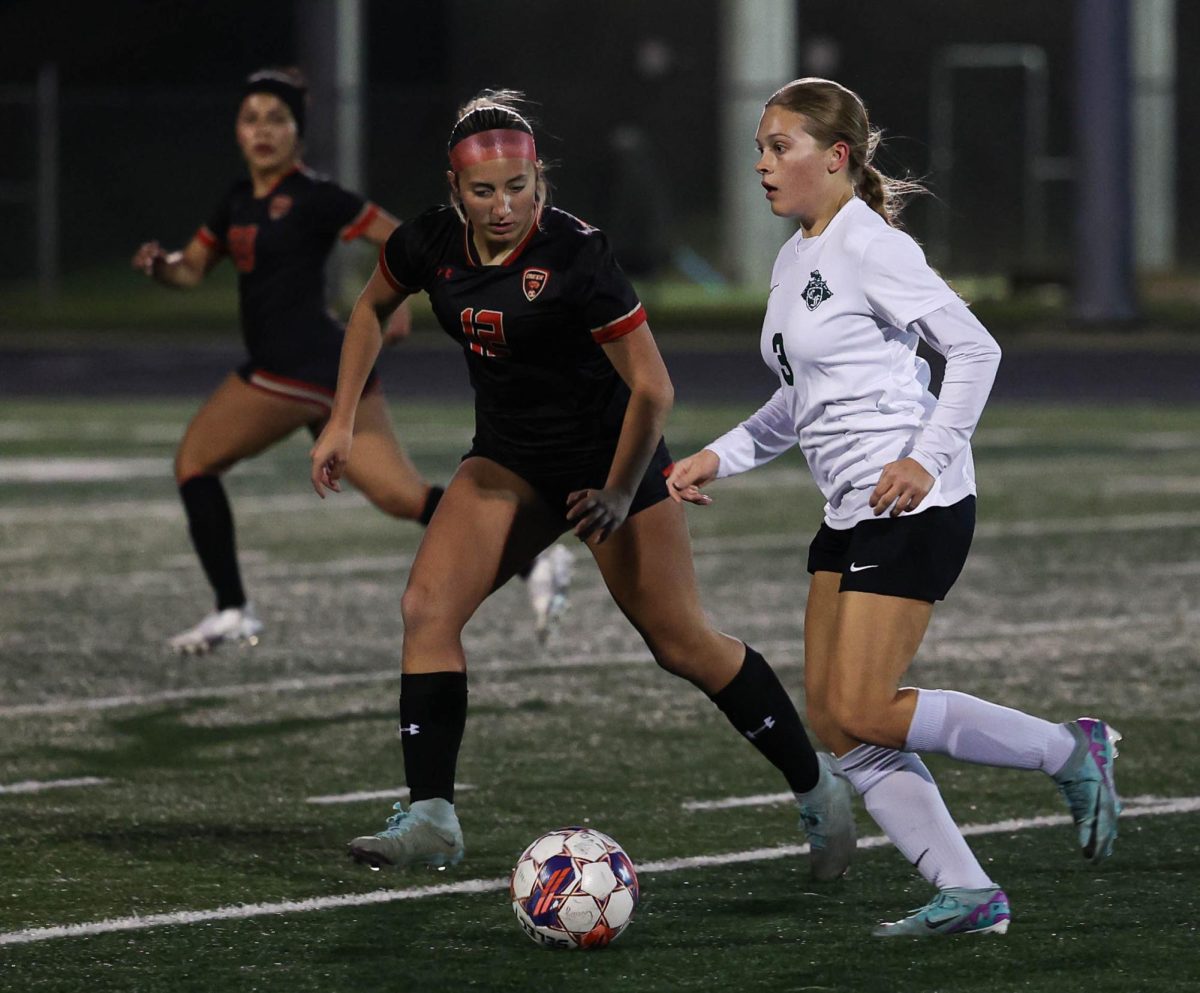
[573, 888]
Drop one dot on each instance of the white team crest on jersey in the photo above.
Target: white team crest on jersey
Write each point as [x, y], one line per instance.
[816, 291]
[533, 281]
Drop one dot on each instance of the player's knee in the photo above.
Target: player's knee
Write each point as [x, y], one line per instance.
[424, 611]
[690, 658]
[820, 721]
[187, 468]
[190, 463]
[856, 718]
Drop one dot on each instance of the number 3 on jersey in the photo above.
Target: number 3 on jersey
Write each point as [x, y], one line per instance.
[785, 369]
[484, 331]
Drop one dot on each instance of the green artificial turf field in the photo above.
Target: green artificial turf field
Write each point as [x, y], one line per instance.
[195, 778]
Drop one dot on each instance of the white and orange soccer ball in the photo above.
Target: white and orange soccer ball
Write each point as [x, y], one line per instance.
[573, 888]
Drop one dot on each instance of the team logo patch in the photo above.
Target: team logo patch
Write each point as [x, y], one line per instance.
[279, 206]
[816, 292]
[533, 281]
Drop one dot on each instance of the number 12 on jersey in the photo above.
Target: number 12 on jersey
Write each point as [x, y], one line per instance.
[484, 331]
[784, 369]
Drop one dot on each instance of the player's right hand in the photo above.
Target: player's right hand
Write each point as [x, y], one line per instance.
[329, 457]
[688, 475]
[145, 257]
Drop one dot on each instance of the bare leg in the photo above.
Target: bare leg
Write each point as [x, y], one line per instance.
[236, 422]
[379, 467]
[489, 523]
[647, 566]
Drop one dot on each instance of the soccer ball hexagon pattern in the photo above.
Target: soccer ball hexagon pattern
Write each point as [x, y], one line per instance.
[573, 888]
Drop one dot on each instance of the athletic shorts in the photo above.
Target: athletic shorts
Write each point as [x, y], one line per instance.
[554, 487]
[918, 556]
[314, 390]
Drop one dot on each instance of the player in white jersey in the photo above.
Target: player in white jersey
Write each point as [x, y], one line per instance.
[850, 296]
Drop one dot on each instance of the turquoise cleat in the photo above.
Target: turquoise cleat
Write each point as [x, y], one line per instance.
[1086, 782]
[427, 834]
[827, 818]
[956, 910]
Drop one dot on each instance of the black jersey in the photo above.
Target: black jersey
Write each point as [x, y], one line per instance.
[531, 328]
[279, 244]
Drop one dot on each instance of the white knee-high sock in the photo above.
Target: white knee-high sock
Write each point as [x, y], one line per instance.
[972, 730]
[905, 802]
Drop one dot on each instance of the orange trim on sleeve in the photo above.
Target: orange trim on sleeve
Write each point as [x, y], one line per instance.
[208, 239]
[620, 327]
[360, 224]
[392, 281]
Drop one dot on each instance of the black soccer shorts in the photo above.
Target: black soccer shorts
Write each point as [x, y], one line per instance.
[917, 556]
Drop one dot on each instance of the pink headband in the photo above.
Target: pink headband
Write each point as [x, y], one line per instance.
[499, 143]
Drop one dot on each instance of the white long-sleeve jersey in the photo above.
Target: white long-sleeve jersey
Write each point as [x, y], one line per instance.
[843, 317]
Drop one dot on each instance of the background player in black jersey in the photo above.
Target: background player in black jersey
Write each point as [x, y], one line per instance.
[571, 396]
[278, 225]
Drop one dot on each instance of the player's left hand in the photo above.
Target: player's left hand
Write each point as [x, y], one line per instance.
[902, 486]
[597, 513]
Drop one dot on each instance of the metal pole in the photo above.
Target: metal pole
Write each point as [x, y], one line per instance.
[1104, 289]
[1153, 56]
[348, 69]
[758, 55]
[330, 43]
[47, 184]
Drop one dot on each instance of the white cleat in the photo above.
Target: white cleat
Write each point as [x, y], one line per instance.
[548, 584]
[237, 624]
[426, 834]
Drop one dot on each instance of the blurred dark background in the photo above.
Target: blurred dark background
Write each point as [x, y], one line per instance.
[626, 92]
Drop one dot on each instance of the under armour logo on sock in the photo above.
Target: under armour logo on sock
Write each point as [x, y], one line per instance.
[766, 726]
[411, 729]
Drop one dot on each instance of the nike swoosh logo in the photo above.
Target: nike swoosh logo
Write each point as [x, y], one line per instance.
[860, 568]
[931, 923]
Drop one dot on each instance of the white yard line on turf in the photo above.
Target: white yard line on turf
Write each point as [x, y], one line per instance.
[396, 793]
[80, 470]
[1154, 808]
[791, 542]
[299, 684]
[788, 543]
[121, 510]
[729, 802]
[783, 654]
[34, 786]
[776, 799]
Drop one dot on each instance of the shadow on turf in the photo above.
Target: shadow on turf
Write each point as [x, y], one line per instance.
[164, 740]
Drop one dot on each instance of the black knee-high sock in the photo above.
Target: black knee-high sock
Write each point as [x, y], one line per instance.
[758, 706]
[210, 523]
[432, 499]
[433, 714]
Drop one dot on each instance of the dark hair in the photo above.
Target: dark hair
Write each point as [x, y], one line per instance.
[834, 113]
[487, 111]
[287, 84]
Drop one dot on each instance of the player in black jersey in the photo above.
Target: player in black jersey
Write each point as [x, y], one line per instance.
[571, 396]
[278, 226]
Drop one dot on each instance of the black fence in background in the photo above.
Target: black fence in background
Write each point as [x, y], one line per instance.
[628, 105]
